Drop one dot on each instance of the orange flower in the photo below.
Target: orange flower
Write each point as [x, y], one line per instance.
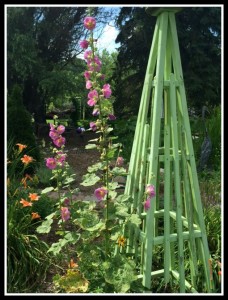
[35, 216]
[26, 159]
[121, 241]
[72, 264]
[21, 147]
[25, 203]
[34, 197]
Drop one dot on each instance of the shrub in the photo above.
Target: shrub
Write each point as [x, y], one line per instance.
[19, 126]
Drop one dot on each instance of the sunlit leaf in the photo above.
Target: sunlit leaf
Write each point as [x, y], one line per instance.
[47, 190]
[90, 179]
[45, 227]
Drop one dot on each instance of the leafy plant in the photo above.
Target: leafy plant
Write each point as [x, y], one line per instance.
[27, 258]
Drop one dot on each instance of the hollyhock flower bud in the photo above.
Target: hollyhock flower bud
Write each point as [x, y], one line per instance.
[67, 202]
[119, 161]
[147, 204]
[93, 126]
[84, 44]
[52, 127]
[95, 112]
[111, 117]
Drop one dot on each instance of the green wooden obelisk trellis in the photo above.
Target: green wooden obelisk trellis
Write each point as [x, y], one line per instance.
[174, 224]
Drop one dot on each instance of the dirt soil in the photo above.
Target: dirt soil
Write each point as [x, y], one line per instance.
[80, 158]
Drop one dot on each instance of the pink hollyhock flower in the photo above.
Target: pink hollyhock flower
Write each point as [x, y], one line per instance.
[60, 158]
[88, 55]
[100, 193]
[67, 202]
[147, 204]
[87, 75]
[84, 44]
[51, 163]
[89, 23]
[52, 127]
[53, 134]
[150, 190]
[102, 77]
[60, 129]
[65, 213]
[60, 141]
[106, 90]
[111, 117]
[95, 64]
[91, 102]
[88, 84]
[119, 161]
[95, 112]
[93, 96]
[93, 126]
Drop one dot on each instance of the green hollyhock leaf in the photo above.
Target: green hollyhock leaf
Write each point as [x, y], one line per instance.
[95, 167]
[91, 146]
[120, 272]
[47, 190]
[45, 227]
[134, 219]
[90, 179]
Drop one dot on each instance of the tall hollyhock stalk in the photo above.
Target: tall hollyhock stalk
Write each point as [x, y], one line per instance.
[99, 98]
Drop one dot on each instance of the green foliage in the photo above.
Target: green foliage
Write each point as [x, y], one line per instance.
[43, 175]
[210, 188]
[125, 128]
[212, 217]
[44, 206]
[27, 260]
[120, 272]
[72, 282]
[213, 124]
[19, 126]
